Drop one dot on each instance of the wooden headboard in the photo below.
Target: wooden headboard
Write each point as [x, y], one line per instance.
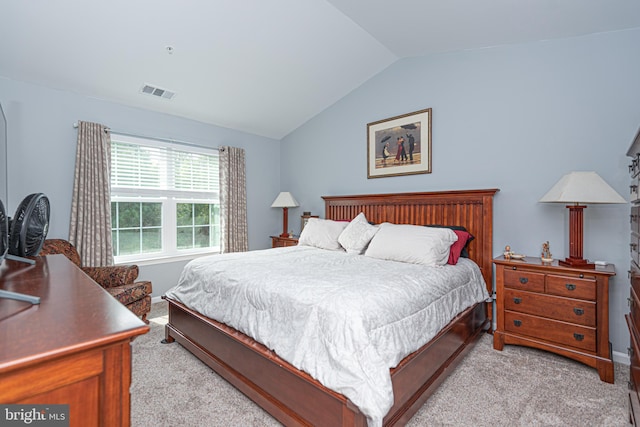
[472, 209]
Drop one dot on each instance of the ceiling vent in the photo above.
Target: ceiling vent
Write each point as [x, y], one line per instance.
[156, 91]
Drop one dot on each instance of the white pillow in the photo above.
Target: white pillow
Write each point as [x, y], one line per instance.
[357, 235]
[322, 233]
[412, 243]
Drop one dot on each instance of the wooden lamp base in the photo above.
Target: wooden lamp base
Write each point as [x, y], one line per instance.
[285, 222]
[577, 263]
[576, 227]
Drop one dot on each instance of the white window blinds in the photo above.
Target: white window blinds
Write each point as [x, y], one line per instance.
[157, 166]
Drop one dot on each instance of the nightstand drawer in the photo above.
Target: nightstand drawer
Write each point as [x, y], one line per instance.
[571, 287]
[281, 242]
[551, 330]
[525, 280]
[566, 309]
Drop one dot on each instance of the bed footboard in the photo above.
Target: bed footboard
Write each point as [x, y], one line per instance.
[293, 397]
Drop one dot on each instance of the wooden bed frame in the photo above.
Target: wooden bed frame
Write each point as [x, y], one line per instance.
[295, 398]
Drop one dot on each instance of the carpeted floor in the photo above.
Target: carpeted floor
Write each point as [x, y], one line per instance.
[516, 387]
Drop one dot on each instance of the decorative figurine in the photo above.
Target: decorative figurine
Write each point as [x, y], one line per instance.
[546, 256]
[507, 252]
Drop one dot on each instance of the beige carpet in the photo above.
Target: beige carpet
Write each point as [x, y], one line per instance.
[516, 387]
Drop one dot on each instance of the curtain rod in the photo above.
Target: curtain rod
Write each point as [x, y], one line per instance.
[174, 141]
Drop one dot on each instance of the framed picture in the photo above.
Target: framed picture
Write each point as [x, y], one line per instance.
[399, 145]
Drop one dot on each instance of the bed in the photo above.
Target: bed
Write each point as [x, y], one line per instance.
[294, 397]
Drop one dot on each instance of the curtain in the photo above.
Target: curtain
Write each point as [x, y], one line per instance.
[233, 201]
[90, 228]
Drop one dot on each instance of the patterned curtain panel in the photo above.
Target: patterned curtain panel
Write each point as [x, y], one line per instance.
[90, 228]
[233, 201]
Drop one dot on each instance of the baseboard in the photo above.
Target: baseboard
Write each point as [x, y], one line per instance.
[159, 299]
[622, 358]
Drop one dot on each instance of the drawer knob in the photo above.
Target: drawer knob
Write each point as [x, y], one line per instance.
[517, 322]
[570, 286]
[578, 311]
[524, 280]
[578, 337]
[517, 300]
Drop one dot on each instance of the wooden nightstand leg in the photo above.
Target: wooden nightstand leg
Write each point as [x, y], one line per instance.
[605, 370]
[498, 341]
[605, 367]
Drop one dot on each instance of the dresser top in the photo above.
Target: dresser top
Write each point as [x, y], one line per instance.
[536, 262]
[74, 313]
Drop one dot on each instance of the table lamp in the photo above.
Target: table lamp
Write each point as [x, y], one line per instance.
[580, 188]
[285, 201]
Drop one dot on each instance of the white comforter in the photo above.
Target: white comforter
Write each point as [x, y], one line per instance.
[345, 319]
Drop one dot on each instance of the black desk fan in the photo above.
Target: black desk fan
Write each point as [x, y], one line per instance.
[24, 236]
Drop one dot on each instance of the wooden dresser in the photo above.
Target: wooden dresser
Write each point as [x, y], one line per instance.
[73, 348]
[559, 309]
[633, 318]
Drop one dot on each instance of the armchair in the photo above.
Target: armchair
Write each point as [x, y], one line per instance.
[119, 280]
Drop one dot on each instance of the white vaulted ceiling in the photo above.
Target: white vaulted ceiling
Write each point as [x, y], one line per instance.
[263, 66]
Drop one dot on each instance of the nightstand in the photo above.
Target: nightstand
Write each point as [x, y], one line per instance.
[279, 242]
[559, 309]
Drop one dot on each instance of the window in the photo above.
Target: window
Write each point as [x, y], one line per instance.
[164, 199]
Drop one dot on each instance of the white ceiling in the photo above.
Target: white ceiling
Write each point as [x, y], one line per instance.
[264, 67]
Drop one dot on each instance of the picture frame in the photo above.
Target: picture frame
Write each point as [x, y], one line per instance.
[388, 138]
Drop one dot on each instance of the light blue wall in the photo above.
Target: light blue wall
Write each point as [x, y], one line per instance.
[42, 149]
[515, 118]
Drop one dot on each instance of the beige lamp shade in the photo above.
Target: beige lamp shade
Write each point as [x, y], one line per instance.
[582, 187]
[285, 200]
